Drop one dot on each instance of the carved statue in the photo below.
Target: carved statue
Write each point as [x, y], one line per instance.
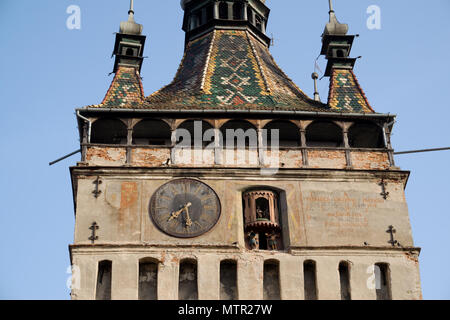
[262, 214]
[272, 242]
[253, 240]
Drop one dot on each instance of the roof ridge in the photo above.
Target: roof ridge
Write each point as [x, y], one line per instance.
[286, 76]
[361, 90]
[208, 59]
[258, 62]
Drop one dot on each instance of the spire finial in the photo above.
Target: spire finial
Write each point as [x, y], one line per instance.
[131, 11]
[334, 27]
[315, 76]
[330, 2]
[131, 27]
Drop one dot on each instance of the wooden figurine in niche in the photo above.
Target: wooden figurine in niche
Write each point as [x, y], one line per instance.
[253, 240]
[272, 242]
[262, 219]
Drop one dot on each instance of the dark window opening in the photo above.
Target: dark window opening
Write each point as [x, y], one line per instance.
[103, 291]
[340, 53]
[148, 281]
[324, 134]
[109, 131]
[251, 15]
[152, 132]
[310, 280]
[239, 134]
[192, 133]
[262, 241]
[259, 22]
[195, 20]
[228, 280]
[271, 281]
[365, 135]
[383, 281]
[202, 15]
[344, 276]
[187, 286]
[223, 10]
[262, 209]
[209, 12]
[130, 52]
[288, 134]
[237, 11]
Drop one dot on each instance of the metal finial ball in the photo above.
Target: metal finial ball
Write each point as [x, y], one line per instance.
[315, 76]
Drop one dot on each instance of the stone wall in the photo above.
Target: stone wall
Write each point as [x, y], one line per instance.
[327, 216]
[405, 281]
[314, 211]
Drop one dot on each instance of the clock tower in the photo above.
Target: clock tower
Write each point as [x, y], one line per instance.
[231, 182]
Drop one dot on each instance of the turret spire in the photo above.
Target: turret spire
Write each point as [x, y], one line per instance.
[131, 7]
[130, 26]
[345, 92]
[334, 27]
[129, 47]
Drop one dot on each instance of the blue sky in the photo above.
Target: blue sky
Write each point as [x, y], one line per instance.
[48, 70]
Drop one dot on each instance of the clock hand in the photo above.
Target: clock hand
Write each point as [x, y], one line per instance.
[188, 218]
[176, 214]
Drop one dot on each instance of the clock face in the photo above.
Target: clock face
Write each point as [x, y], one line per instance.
[185, 208]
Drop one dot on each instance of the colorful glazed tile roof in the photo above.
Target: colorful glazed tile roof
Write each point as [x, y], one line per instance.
[346, 94]
[126, 90]
[232, 70]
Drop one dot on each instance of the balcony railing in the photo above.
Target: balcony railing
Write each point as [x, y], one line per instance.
[287, 158]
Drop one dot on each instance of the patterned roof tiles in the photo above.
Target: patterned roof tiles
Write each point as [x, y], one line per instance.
[346, 94]
[126, 90]
[232, 70]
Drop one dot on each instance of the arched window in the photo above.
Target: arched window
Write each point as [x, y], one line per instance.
[228, 280]
[152, 132]
[259, 22]
[109, 131]
[310, 280]
[194, 20]
[271, 280]
[187, 282]
[365, 135]
[239, 134]
[288, 133]
[148, 280]
[344, 277]
[383, 281]
[130, 52]
[223, 10]
[103, 290]
[262, 209]
[324, 134]
[237, 10]
[192, 133]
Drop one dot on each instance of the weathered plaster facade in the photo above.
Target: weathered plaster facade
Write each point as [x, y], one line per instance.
[329, 216]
